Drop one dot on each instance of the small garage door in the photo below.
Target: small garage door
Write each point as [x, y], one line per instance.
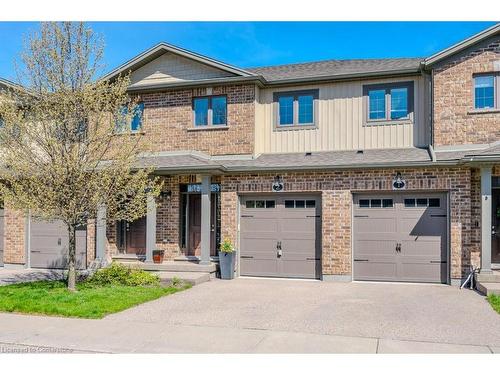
[400, 237]
[279, 236]
[2, 230]
[49, 243]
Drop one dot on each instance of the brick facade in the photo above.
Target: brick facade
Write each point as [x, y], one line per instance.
[454, 120]
[14, 237]
[336, 190]
[168, 121]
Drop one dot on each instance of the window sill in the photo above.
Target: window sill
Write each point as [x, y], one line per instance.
[282, 128]
[208, 127]
[388, 122]
[142, 132]
[483, 111]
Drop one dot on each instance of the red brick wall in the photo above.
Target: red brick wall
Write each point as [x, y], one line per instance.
[454, 123]
[336, 188]
[168, 121]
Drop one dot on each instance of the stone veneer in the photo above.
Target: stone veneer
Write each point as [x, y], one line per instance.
[455, 122]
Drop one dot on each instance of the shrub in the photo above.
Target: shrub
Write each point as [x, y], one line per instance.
[119, 274]
[226, 247]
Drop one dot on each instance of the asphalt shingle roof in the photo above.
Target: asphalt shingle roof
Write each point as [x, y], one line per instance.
[335, 67]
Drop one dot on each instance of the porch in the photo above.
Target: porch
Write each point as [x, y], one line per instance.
[184, 222]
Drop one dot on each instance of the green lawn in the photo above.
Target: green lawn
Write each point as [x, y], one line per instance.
[52, 298]
[494, 301]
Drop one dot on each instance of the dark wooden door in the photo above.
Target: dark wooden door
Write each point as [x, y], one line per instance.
[136, 236]
[194, 243]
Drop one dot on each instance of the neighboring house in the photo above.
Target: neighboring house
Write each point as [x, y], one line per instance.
[377, 169]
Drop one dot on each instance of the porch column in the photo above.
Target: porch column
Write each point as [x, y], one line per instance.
[205, 219]
[100, 233]
[150, 228]
[486, 172]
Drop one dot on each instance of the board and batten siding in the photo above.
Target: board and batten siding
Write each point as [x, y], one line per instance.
[340, 123]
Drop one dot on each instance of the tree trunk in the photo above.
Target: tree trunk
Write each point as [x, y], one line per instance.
[71, 258]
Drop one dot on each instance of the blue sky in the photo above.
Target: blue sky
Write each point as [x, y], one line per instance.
[250, 44]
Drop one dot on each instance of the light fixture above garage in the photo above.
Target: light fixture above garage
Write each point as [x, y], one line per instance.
[399, 183]
[278, 185]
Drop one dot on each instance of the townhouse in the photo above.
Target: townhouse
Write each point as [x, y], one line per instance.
[340, 170]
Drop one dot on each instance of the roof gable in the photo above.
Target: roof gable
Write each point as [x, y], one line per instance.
[456, 48]
[175, 53]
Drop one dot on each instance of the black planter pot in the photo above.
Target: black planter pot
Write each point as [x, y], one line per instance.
[226, 263]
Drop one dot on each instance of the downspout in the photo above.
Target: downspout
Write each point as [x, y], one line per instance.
[432, 153]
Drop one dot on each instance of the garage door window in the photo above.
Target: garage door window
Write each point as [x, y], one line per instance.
[376, 203]
[422, 202]
[260, 204]
[300, 203]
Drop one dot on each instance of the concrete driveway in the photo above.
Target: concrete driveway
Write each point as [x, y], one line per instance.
[262, 315]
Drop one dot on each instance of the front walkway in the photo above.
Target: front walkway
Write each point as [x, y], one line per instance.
[258, 315]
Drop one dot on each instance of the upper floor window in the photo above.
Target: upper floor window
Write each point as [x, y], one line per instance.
[210, 110]
[389, 102]
[486, 91]
[295, 108]
[135, 124]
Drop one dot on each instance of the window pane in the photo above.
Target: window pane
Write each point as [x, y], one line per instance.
[399, 103]
[286, 110]
[300, 204]
[387, 203]
[364, 203]
[219, 110]
[260, 204]
[409, 202]
[121, 120]
[422, 202]
[310, 203]
[201, 111]
[484, 87]
[289, 204]
[250, 204]
[137, 119]
[270, 204]
[434, 202]
[306, 109]
[376, 203]
[376, 104]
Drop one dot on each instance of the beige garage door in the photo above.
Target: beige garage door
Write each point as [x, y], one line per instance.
[280, 236]
[49, 243]
[400, 237]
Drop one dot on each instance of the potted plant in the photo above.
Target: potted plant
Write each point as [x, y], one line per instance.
[158, 256]
[227, 258]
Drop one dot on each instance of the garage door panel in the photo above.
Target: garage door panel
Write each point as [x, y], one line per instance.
[375, 270]
[383, 225]
[295, 226]
[375, 247]
[422, 271]
[259, 267]
[421, 231]
[260, 225]
[300, 268]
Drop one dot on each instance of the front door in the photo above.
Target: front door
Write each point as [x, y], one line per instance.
[135, 242]
[194, 240]
[495, 223]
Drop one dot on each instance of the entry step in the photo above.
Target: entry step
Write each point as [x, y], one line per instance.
[488, 288]
[173, 266]
[193, 278]
[491, 277]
